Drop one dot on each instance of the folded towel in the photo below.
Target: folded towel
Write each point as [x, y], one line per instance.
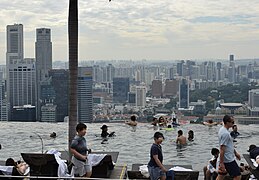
[178, 168]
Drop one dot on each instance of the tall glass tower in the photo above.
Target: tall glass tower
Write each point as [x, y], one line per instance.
[43, 53]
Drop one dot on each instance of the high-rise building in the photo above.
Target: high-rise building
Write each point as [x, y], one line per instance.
[141, 96]
[171, 88]
[231, 69]
[14, 54]
[157, 88]
[184, 94]
[253, 98]
[21, 81]
[59, 82]
[43, 53]
[120, 89]
[85, 94]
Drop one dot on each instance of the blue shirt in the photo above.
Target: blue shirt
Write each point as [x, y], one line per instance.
[79, 144]
[226, 140]
[155, 150]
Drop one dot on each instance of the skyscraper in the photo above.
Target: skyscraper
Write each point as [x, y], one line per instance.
[59, 82]
[120, 89]
[14, 54]
[157, 88]
[184, 94]
[141, 96]
[43, 52]
[85, 94]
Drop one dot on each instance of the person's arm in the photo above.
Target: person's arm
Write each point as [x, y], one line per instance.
[177, 140]
[158, 162]
[237, 155]
[221, 156]
[77, 154]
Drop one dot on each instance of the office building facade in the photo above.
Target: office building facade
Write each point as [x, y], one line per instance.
[85, 94]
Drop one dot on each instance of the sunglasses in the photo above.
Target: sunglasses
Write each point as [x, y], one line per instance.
[233, 122]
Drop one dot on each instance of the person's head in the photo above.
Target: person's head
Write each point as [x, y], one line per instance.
[180, 133]
[169, 126]
[81, 129]
[133, 118]
[191, 133]
[174, 119]
[104, 127]
[158, 137]
[228, 121]
[251, 147]
[10, 162]
[215, 152]
[161, 119]
[234, 127]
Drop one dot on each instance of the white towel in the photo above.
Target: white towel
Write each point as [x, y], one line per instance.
[144, 171]
[95, 159]
[6, 170]
[62, 166]
[178, 168]
[254, 163]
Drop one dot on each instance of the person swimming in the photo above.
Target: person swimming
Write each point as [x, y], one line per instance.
[190, 135]
[105, 133]
[132, 121]
[181, 139]
[53, 135]
[174, 123]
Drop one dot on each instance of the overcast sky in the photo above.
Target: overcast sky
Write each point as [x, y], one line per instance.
[140, 29]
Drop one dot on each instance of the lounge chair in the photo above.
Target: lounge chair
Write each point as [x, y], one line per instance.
[179, 175]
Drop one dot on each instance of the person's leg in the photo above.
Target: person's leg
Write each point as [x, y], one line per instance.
[233, 170]
[208, 175]
[220, 177]
[204, 172]
[237, 178]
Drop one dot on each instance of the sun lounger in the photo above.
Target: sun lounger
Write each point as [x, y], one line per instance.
[179, 175]
[254, 170]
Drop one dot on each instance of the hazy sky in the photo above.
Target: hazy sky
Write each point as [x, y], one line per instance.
[140, 29]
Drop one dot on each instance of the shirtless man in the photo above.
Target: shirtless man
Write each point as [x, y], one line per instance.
[181, 139]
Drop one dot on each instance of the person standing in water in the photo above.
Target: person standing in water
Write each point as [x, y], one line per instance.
[132, 121]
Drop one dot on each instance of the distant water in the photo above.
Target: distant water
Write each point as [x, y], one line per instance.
[133, 146]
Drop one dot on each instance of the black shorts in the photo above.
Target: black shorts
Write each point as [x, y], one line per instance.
[232, 169]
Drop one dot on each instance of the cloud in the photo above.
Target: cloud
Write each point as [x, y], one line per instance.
[138, 29]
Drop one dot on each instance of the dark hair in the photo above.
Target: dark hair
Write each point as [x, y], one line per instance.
[252, 146]
[133, 118]
[10, 162]
[158, 135]
[234, 126]
[169, 126]
[174, 119]
[226, 119]
[80, 127]
[180, 132]
[214, 151]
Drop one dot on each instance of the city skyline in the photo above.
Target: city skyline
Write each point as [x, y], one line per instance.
[140, 30]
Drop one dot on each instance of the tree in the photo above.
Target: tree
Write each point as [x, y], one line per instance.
[73, 67]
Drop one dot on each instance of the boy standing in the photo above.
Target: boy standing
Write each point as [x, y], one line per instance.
[79, 150]
[155, 166]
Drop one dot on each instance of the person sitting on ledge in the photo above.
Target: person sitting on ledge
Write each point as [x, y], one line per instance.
[105, 133]
[211, 170]
[234, 132]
